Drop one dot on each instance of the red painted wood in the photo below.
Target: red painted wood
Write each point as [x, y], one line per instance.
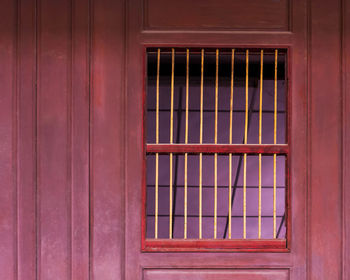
[54, 140]
[218, 148]
[325, 200]
[26, 175]
[298, 142]
[216, 274]
[80, 139]
[228, 14]
[8, 136]
[134, 141]
[346, 137]
[107, 140]
[210, 245]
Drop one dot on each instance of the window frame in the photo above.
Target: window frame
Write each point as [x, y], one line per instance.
[217, 245]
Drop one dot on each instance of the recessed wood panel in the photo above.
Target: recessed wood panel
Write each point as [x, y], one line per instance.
[216, 274]
[212, 14]
[8, 150]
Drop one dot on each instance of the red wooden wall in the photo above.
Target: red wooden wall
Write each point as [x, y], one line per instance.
[71, 79]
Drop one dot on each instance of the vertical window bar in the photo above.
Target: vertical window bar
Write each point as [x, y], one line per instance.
[201, 141]
[186, 141]
[157, 155]
[260, 135]
[171, 142]
[230, 155]
[216, 141]
[275, 142]
[246, 98]
[245, 155]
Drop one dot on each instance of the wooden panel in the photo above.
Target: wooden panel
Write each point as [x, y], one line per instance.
[215, 39]
[212, 14]
[253, 245]
[80, 139]
[8, 136]
[217, 148]
[346, 138]
[298, 172]
[107, 134]
[325, 197]
[54, 146]
[27, 141]
[216, 274]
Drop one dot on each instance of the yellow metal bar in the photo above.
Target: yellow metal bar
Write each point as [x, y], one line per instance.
[171, 196]
[157, 155]
[156, 199]
[186, 141]
[172, 96]
[260, 99]
[245, 196]
[201, 141]
[275, 103]
[260, 134]
[274, 195]
[245, 142]
[230, 155]
[216, 97]
[231, 97]
[246, 98]
[171, 142]
[275, 142]
[201, 105]
[216, 141]
[185, 199]
[200, 195]
[187, 95]
[157, 101]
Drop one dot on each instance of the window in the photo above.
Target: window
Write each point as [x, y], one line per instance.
[216, 150]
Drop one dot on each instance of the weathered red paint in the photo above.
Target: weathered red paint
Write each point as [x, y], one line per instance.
[217, 148]
[71, 153]
[210, 245]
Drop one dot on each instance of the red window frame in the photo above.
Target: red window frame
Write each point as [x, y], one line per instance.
[218, 245]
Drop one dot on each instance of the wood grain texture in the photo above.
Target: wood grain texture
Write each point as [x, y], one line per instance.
[57, 138]
[239, 245]
[298, 139]
[325, 198]
[80, 115]
[220, 15]
[54, 140]
[26, 175]
[8, 136]
[134, 141]
[346, 137]
[217, 148]
[217, 274]
[107, 140]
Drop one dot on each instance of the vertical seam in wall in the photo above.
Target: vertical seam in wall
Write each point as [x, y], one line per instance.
[308, 136]
[343, 135]
[90, 163]
[123, 112]
[36, 112]
[35, 134]
[70, 97]
[15, 127]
